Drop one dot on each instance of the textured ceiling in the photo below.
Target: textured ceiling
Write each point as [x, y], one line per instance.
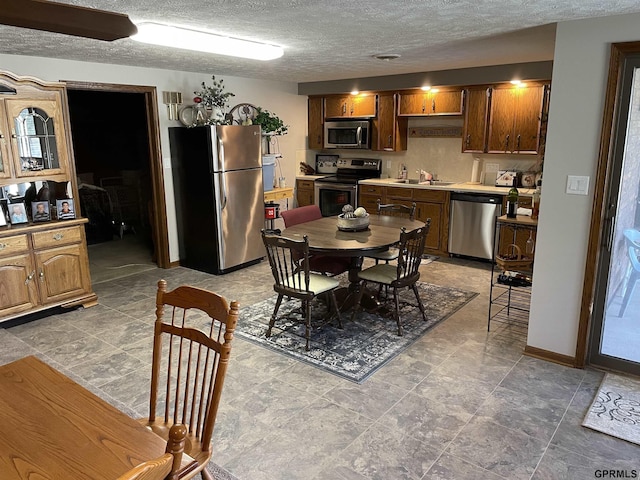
[332, 39]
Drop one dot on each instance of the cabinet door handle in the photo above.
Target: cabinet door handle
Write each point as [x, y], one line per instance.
[41, 275]
[58, 236]
[352, 110]
[29, 277]
[3, 246]
[390, 141]
[433, 105]
[424, 104]
[344, 108]
[506, 142]
[468, 141]
[518, 143]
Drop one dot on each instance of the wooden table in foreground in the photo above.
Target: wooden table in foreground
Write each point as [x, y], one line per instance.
[53, 428]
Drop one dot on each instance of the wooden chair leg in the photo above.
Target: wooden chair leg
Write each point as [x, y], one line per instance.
[275, 313]
[414, 287]
[206, 475]
[307, 323]
[356, 306]
[397, 310]
[334, 302]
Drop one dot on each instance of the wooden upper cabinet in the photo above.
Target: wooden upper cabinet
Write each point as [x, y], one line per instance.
[476, 104]
[5, 163]
[315, 112]
[38, 137]
[350, 106]
[389, 131]
[515, 119]
[433, 102]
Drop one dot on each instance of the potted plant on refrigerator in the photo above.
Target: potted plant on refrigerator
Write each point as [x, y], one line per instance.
[211, 102]
[272, 126]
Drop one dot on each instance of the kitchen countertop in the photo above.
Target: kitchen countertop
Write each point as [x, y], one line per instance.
[454, 187]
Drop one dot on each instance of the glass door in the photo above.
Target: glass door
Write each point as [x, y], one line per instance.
[615, 334]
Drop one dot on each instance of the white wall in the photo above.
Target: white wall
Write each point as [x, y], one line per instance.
[278, 97]
[577, 100]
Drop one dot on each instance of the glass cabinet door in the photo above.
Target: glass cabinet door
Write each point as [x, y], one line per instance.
[37, 136]
[5, 169]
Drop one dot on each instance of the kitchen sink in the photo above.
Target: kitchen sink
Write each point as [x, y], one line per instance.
[415, 181]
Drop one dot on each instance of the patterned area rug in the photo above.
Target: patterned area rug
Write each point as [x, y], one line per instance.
[616, 408]
[364, 345]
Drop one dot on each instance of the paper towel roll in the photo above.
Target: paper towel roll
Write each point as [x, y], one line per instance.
[475, 172]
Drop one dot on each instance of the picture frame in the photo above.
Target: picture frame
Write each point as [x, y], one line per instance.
[17, 213]
[40, 211]
[3, 220]
[65, 209]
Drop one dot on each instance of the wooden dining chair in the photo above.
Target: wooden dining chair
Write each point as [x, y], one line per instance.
[405, 273]
[394, 210]
[324, 264]
[191, 351]
[291, 271]
[156, 469]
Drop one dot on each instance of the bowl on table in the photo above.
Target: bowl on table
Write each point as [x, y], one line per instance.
[353, 224]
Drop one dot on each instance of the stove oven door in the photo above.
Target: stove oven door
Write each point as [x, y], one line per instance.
[331, 197]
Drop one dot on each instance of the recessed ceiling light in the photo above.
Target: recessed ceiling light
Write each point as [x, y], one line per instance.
[386, 56]
[426, 88]
[354, 92]
[188, 39]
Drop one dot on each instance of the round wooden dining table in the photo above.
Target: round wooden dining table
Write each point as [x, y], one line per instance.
[324, 237]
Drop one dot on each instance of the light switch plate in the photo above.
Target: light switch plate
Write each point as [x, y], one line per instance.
[577, 185]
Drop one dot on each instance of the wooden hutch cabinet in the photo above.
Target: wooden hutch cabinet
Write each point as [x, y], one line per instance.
[42, 264]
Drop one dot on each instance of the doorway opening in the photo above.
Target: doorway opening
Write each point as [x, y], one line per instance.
[120, 179]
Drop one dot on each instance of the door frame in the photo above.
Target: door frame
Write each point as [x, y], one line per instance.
[599, 221]
[160, 231]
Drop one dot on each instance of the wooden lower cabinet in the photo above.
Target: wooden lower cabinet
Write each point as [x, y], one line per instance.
[17, 287]
[305, 193]
[50, 268]
[368, 197]
[433, 204]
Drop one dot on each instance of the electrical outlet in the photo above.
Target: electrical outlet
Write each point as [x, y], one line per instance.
[388, 164]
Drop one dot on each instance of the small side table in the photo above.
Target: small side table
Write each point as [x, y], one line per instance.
[275, 195]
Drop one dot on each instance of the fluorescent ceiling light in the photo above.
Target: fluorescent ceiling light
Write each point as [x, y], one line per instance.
[178, 37]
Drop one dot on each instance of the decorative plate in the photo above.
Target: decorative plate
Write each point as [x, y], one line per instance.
[241, 114]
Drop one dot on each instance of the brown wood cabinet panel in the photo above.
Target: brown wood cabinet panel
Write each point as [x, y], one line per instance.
[369, 202]
[389, 130]
[515, 119]
[399, 193]
[62, 273]
[476, 109]
[5, 158]
[315, 113]
[14, 244]
[433, 102]
[305, 194]
[347, 106]
[57, 237]
[17, 285]
[434, 211]
[433, 196]
[378, 190]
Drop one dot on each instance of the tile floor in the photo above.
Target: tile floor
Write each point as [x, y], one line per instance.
[460, 403]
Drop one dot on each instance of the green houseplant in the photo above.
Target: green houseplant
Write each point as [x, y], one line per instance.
[271, 124]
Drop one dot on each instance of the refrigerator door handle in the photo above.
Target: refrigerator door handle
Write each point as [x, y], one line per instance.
[223, 181]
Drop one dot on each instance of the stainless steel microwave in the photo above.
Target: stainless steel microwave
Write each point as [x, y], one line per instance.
[347, 134]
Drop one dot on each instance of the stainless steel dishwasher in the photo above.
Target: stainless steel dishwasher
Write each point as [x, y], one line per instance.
[472, 224]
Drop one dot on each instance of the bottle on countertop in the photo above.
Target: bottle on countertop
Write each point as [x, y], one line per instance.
[512, 199]
[536, 201]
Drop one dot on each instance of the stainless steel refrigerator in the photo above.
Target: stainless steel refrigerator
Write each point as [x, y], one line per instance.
[217, 181]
